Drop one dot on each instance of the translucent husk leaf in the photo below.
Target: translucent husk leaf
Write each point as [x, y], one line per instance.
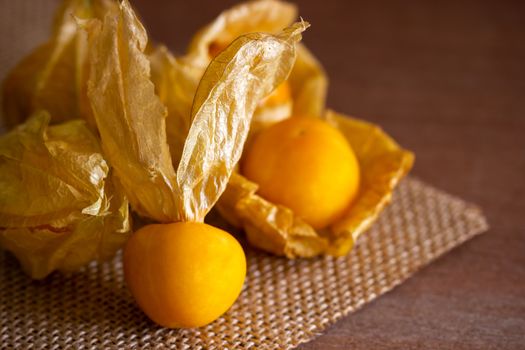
[309, 84]
[173, 77]
[131, 118]
[276, 229]
[270, 16]
[53, 77]
[308, 80]
[59, 207]
[235, 81]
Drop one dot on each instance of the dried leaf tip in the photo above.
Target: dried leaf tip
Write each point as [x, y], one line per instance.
[294, 31]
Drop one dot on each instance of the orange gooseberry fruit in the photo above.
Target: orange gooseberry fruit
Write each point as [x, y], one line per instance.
[282, 94]
[306, 165]
[216, 48]
[184, 274]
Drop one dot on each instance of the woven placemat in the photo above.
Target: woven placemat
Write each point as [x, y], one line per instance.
[284, 302]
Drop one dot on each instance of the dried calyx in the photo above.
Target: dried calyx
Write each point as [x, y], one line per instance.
[131, 160]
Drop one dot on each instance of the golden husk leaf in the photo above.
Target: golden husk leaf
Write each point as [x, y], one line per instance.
[53, 77]
[131, 118]
[276, 229]
[307, 80]
[235, 81]
[59, 207]
[173, 78]
[269, 16]
[309, 84]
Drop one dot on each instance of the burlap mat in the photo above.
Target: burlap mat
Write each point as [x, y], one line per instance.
[284, 302]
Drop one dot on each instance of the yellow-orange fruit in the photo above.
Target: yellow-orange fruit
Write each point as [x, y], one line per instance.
[281, 95]
[185, 274]
[216, 48]
[306, 165]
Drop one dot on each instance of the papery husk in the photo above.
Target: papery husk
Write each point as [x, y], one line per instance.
[60, 207]
[308, 80]
[53, 77]
[173, 77]
[131, 118]
[269, 16]
[235, 81]
[275, 228]
[309, 84]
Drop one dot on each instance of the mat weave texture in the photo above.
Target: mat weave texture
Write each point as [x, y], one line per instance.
[283, 303]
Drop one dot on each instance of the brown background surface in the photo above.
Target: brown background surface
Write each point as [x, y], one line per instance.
[447, 80]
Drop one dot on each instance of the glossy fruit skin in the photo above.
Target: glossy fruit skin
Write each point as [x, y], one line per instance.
[184, 274]
[306, 165]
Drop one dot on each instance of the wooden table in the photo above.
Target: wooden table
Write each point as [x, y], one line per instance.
[447, 80]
